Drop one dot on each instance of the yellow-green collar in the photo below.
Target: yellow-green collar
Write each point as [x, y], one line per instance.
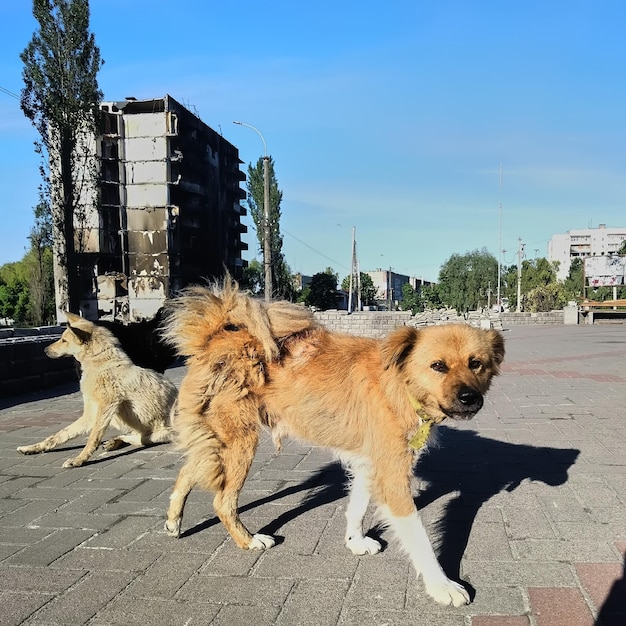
[418, 441]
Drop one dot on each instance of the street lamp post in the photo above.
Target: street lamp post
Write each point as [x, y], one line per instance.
[267, 250]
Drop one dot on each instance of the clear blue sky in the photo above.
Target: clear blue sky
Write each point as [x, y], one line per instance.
[392, 117]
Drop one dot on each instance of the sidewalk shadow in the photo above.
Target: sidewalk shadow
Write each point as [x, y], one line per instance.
[62, 389]
[613, 611]
[326, 485]
[479, 468]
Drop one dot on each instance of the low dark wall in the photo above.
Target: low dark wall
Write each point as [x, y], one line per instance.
[25, 368]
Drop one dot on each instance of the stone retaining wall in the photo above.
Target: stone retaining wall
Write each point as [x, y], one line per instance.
[542, 319]
[364, 323]
[24, 367]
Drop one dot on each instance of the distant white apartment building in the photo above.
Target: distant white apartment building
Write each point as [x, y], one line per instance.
[583, 243]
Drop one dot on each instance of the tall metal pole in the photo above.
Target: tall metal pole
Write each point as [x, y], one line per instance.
[499, 299]
[267, 249]
[520, 256]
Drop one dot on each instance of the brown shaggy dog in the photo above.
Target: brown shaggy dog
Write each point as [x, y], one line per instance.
[252, 364]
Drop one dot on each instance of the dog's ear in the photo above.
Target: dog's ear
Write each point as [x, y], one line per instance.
[497, 345]
[83, 336]
[397, 347]
[72, 318]
[79, 326]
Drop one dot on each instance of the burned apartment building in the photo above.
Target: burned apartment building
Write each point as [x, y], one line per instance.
[167, 214]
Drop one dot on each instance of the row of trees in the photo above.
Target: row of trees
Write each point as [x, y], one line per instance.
[27, 286]
[469, 282]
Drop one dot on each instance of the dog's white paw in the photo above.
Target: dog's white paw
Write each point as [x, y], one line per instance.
[448, 592]
[75, 462]
[36, 448]
[261, 542]
[173, 528]
[363, 545]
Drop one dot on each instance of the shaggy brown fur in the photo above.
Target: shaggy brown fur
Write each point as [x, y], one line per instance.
[252, 364]
[116, 392]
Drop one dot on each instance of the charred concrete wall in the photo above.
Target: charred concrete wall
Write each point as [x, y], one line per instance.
[168, 212]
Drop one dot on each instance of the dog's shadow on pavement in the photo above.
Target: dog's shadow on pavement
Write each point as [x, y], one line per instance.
[472, 466]
[476, 468]
[326, 485]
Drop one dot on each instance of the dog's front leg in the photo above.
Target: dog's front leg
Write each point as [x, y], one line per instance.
[73, 430]
[412, 535]
[101, 422]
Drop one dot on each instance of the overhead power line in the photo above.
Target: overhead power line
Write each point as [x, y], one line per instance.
[314, 250]
[9, 93]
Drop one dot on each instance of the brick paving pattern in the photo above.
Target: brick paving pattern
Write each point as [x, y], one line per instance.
[526, 504]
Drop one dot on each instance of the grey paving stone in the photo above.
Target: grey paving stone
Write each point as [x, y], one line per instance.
[123, 533]
[278, 564]
[166, 576]
[49, 549]
[37, 579]
[124, 611]
[258, 615]
[313, 603]
[242, 590]
[379, 584]
[106, 559]
[15, 607]
[77, 605]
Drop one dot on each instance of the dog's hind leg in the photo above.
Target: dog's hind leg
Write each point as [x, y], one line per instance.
[358, 501]
[237, 458]
[163, 435]
[185, 482]
[101, 423]
[79, 427]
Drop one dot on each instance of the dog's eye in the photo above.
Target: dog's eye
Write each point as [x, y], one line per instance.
[439, 366]
[474, 364]
[231, 327]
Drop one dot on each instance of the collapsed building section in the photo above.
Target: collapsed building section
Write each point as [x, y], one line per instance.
[168, 212]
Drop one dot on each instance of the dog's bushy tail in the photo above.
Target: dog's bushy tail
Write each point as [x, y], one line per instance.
[198, 313]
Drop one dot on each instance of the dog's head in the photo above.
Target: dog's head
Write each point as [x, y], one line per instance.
[74, 339]
[447, 369]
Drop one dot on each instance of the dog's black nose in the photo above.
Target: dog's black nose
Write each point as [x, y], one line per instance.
[469, 397]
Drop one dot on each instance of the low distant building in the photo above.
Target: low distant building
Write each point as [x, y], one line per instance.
[168, 211]
[582, 243]
[389, 285]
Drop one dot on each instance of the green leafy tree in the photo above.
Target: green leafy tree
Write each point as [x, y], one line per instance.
[411, 300]
[40, 263]
[431, 296]
[14, 294]
[573, 285]
[509, 285]
[544, 298]
[60, 98]
[537, 273]
[253, 277]
[282, 285]
[368, 290]
[322, 292]
[465, 280]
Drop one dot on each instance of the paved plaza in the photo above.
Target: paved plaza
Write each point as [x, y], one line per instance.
[526, 504]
